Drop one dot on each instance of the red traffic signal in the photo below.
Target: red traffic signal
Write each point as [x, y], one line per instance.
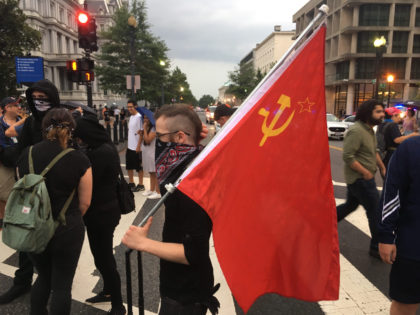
[82, 17]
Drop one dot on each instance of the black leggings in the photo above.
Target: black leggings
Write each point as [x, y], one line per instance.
[56, 268]
[100, 240]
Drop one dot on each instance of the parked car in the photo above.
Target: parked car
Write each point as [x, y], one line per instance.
[336, 128]
[210, 114]
[349, 121]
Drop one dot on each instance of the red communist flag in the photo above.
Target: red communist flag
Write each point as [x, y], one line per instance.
[265, 182]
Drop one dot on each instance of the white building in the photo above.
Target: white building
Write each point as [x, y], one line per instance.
[56, 20]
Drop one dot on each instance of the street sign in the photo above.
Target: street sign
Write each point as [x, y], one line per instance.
[136, 82]
[29, 69]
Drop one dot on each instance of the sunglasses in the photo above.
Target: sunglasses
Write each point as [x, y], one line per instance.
[159, 135]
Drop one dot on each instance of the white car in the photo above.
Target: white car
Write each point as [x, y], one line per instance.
[336, 128]
[349, 121]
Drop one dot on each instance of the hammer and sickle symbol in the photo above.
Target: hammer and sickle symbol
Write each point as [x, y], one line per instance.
[269, 131]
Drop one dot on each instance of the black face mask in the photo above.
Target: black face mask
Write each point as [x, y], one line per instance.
[169, 155]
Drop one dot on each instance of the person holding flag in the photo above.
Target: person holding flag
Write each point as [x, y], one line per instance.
[186, 272]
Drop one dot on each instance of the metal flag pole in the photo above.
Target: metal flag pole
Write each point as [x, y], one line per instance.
[323, 11]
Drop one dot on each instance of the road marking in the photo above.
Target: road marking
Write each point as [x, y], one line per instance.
[335, 148]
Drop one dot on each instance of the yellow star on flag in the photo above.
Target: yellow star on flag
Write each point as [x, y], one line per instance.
[305, 106]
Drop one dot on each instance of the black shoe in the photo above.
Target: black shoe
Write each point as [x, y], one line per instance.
[374, 252]
[138, 188]
[117, 311]
[100, 298]
[1, 224]
[131, 185]
[14, 292]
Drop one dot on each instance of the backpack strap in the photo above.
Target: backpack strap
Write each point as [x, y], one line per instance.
[62, 215]
[55, 160]
[31, 162]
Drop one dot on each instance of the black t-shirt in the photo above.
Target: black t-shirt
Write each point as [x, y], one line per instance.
[392, 131]
[105, 170]
[188, 224]
[106, 115]
[62, 178]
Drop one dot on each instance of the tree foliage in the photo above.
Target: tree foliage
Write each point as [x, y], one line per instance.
[17, 39]
[243, 80]
[149, 50]
[205, 101]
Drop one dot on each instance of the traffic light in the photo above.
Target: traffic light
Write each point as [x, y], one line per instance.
[80, 70]
[72, 71]
[86, 26]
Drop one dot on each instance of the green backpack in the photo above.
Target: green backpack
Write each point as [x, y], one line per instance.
[28, 224]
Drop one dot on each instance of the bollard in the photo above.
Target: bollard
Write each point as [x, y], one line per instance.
[115, 133]
[121, 129]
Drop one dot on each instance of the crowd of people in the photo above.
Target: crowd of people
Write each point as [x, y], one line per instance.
[84, 182]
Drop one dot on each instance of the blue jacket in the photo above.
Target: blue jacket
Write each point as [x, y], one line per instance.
[400, 201]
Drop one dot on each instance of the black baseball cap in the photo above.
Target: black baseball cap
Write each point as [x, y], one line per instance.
[222, 110]
[8, 100]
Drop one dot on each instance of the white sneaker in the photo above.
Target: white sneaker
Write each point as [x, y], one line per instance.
[147, 193]
[154, 195]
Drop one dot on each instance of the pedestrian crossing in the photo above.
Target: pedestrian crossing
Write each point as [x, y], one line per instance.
[358, 294]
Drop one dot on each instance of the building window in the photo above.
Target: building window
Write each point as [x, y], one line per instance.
[68, 48]
[415, 68]
[365, 40]
[340, 100]
[342, 70]
[61, 15]
[75, 47]
[51, 41]
[52, 9]
[396, 66]
[365, 68]
[416, 44]
[417, 17]
[402, 15]
[374, 15]
[362, 92]
[400, 42]
[59, 43]
[102, 27]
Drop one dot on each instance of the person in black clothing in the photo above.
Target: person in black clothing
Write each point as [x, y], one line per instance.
[104, 213]
[186, 272]
[391, 131]
[56, 266]
[41, 97]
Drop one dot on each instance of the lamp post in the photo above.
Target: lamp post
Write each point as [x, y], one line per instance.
[163, 64]
[379, 44]
[132, 22]
[390, 79]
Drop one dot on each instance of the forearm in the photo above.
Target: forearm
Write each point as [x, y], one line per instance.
[379, 161]
[402, 138]
[173, 252]
[359, 168]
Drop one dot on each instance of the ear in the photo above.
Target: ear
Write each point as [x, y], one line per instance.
[182, 137]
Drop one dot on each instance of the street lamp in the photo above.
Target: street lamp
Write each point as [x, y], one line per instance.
[163, 64]
[132, 22]
[181, 89]
[379, 44]
[390, 79]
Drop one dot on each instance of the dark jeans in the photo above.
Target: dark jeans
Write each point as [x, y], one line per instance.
[362, 192]
[23, 276]
[56, 267]
[172, 307]
[100, 240]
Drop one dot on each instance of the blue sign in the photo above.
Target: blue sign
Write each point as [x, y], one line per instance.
[29, 69]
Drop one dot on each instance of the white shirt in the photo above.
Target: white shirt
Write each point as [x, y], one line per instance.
[134, 125]
[116, 112]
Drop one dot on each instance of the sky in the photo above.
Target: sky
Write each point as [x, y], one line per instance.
[207, 39]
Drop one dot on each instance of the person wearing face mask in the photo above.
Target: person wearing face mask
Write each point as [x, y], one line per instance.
[186, 272]
[41, 97]
[104, 212]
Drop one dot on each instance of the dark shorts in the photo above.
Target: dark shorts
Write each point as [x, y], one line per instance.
[133, 160]
[404, 284]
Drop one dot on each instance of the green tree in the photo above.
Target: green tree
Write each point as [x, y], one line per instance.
[178, 89]
[205, 101]
[243, 81]
[149, 50]
[16, 38]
